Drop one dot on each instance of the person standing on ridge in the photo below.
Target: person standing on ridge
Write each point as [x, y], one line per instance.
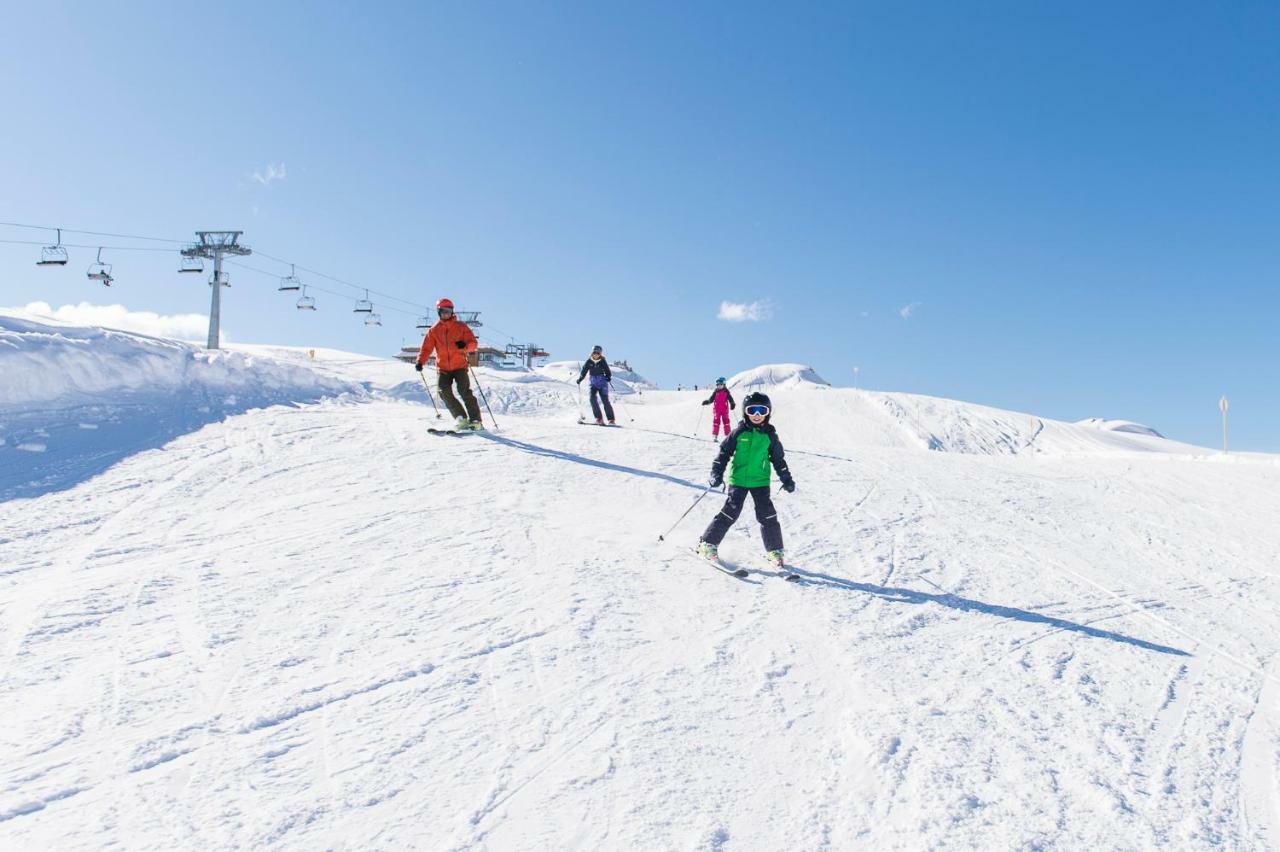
[601, 376]
[453, 340]
[753, 446]
[721, 401]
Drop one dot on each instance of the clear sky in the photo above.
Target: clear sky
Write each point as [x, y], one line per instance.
[1070, 209]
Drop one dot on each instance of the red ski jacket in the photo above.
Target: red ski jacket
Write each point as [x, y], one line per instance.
[443, 338]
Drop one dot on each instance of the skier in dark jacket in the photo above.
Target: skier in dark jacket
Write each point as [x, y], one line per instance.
[752, 447]
[601, 376]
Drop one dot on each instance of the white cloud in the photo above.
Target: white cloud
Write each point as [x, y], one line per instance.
[273, 172]
[745, 311]
[193, 327]
[907, 310]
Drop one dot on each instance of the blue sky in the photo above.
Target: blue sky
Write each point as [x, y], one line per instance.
[1081, 201]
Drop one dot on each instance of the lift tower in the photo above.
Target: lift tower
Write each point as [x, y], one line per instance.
[213, 245]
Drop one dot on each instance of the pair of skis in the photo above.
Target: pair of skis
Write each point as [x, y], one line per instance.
[455, 432]
[742, 573]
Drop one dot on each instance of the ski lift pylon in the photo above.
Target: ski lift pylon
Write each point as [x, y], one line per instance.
[363, 306]
[54, 255]
[306, 303]
[290, 282]
[100, 271]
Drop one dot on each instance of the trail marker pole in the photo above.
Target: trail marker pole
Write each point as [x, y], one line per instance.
[1222, 406]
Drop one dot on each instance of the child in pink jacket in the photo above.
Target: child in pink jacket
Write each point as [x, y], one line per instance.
[721, 401]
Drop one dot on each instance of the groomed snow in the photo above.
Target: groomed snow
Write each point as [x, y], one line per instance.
[318, 627]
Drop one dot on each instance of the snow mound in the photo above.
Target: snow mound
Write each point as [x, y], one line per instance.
[624, 381]
[1119, 426]
[507, 391]
[91, 396]
[778, 375]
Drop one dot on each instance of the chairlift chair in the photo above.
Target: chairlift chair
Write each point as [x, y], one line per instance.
[363, 306]
[290, 282]
[192, 264]
[54, 255]
[306, 303]
[424, 322]
[100, 271]
[373, 319]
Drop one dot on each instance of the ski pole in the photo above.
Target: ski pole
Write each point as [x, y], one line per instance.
[695, 428]
[480, 388]
[427, 387]
[663, 537]
[582, 418]
[629, 417]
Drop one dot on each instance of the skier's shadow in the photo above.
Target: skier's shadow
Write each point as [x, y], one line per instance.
[534, 449]
[911, 596]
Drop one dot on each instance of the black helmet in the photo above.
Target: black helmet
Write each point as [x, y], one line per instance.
[757, 398]
[596, 350]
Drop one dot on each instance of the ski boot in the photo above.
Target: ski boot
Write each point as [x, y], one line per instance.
[599, 421]
[708, 551]
[461, 423]
[775, 559]
[611, 423]
[476, 425]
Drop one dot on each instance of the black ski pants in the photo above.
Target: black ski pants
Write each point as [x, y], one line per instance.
[445, 382]
[766, 514]
[601, 395]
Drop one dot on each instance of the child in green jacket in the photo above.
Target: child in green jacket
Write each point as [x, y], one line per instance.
[753, 446]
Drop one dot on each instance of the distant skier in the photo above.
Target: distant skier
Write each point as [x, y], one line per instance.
[721, 401]
[452, 340]
[601, 376]
[753, 446]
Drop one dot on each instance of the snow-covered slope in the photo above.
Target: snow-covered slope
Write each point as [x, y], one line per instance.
[1119, 426]
[74, 400]
[318, 627]
[776, 375]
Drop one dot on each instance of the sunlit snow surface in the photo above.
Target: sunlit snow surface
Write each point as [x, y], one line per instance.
[315, 626]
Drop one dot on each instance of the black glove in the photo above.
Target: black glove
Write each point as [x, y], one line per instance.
[789, 486]
[716, 480]
[706, 402]
[578, 382]
[461, 344]
[417, 367]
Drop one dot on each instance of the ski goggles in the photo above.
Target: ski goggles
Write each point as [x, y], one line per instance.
[444, 312]
[762, 410]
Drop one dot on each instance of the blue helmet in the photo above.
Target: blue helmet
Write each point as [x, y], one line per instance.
[720, 380]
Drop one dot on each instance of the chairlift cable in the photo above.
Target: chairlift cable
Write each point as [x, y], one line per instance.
[86, 246]
[92, 233]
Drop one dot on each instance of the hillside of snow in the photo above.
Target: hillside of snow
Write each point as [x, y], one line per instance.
[775, 375]
[316, 626]
[75, 400]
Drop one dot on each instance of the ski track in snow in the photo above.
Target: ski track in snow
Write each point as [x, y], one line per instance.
[317, 627]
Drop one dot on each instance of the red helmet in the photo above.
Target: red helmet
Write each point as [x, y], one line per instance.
[444, 303]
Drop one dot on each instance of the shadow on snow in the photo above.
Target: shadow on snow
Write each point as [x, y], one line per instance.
[534, 449]
[910, 596]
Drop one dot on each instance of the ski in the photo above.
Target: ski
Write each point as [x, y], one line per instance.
[783, 571]
[740, 573]
[458, 432]
[604, 425]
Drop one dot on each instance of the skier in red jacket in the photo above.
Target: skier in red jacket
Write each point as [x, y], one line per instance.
[453, 340]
